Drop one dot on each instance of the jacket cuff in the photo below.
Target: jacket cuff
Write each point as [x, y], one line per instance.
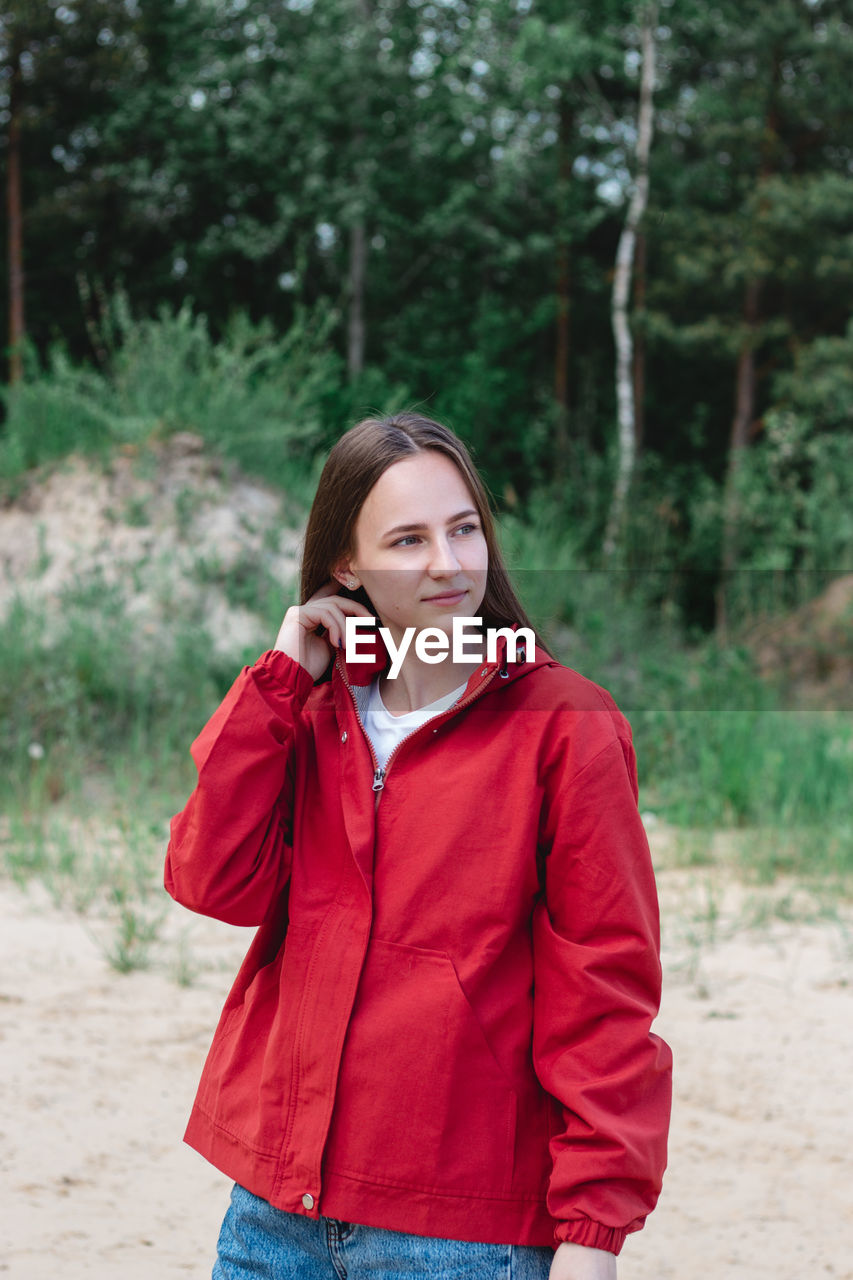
[594, 1235]
[284, 673]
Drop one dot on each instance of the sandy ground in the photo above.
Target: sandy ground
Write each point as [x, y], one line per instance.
[99, 1070]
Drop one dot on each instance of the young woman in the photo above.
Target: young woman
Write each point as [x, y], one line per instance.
[436, 1058]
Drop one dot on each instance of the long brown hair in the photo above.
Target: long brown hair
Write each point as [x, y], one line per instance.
[352, 468]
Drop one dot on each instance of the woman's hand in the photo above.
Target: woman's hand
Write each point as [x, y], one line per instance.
[298, 637]
[577, 1262]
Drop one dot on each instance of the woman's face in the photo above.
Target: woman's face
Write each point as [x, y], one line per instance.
[420, 550]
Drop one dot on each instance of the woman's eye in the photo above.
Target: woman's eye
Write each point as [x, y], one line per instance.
[410, 539]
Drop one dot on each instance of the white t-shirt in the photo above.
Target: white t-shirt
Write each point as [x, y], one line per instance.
[385, 730]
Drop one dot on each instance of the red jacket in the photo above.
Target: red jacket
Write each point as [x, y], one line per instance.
[442, 1024]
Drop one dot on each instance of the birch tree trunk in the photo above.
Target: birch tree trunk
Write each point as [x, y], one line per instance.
[626, 415]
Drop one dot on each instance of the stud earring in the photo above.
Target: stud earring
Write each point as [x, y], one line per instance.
[351, 584]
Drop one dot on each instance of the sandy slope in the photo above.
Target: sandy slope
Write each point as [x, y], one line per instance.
[99, 1071]
[161, 528]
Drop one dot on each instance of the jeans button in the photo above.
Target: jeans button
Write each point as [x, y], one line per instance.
[308, 1200]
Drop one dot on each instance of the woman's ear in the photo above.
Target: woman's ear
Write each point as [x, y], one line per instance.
[345, 576]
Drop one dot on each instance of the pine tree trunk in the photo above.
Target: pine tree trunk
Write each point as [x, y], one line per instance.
[561, 361]
[744, 416]
[357, 334]
[357, 273]
[745, 385]
[15, 228]
[562, 350]
[626, 416]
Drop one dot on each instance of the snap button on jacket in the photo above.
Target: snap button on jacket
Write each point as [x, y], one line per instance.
[442, 1025]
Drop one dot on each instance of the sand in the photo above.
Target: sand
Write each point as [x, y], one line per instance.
[99, 1070]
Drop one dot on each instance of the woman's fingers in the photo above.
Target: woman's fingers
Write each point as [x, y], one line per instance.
[325, 604]
[300, 635]
[329, 591]
[329, 588]
[331, 613]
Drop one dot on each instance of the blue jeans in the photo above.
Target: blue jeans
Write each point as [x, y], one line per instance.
[258, 1242]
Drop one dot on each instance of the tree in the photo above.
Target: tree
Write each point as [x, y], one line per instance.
[26, 32]
[625, 386]
[59, 67]
[746, 217]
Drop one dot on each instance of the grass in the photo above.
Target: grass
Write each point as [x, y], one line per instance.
[95, 759]
[266, 401]
[255, 395]
[717, 745]
[107, 870]
[85, 696]
[706, 908]
[133, 935]
[186, 969]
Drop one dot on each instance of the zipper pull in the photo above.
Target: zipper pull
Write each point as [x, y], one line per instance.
[379, 780]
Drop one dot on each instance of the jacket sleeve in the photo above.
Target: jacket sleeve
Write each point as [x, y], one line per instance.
[229, 853]
[597, 988]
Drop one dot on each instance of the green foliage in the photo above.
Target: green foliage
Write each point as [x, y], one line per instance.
[50, 417]
[819, 388]
[748, 191]
[794, 493]
[484, 151]
[256, 397]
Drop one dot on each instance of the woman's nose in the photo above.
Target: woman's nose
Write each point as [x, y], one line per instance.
[443, 558]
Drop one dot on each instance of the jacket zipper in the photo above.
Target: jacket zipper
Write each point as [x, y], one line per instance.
[380, 774]
[377, 772]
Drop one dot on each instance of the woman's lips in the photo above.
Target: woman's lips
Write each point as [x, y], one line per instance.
[449, 597]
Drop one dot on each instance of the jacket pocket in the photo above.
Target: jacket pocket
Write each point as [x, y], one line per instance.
[421, 1100]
